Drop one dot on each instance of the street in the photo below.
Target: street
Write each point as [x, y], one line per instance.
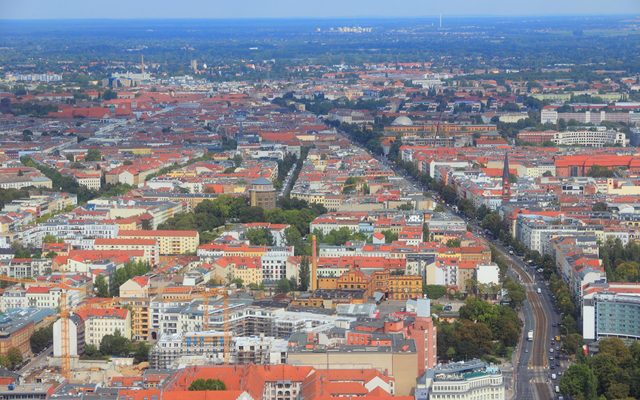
[531, 373]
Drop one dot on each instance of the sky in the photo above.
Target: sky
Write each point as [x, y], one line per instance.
[116, 9]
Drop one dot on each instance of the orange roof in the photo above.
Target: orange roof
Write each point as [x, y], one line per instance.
[86, 313]
[165, 233]
[124, 242]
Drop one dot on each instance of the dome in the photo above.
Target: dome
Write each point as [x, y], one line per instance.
[402, 121]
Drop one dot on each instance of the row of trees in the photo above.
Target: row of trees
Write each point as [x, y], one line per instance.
[8, 195]
[621, 263]
[613, 373]
[68, 184]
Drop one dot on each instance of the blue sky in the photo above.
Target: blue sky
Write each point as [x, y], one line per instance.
[56, 9]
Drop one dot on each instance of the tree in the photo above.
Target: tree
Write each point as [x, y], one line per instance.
[434, 291]
[453, 243]
[91, 351]
[207, 384]
[41, 339]
[93, 155]
[237, 160]
[516, 292]
[493, 223]
[599, 206]
[259, 236]
[14, 358]
[48, 238]
[283, 286]
[102, 287]
[141, 352]
[109, 95]
[305, 274]
[115, 345]
[572, 343]
[579, 383]
[389, 236]
[27, 135]
[598, 171]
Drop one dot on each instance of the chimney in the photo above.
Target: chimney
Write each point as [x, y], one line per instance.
[314, 264]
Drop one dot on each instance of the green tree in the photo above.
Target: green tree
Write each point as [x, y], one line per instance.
[599, 206]
[259, 236]
[453, 243]
[207, 384]
[102, 287]
[93, 155]
[305, 274]
[389, 236]
[13, 358]
[434, 291]
[237, 160]
[283, 286]
[141, 352]
[572, 343]
[41, 339]
[516, 292]
[109, 95]
[115, 345]
[579, 383]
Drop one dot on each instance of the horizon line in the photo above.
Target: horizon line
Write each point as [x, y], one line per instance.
[373, 17]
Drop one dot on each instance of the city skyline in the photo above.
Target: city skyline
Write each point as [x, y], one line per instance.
[197, 9]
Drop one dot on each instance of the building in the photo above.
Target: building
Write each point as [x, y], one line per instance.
[173, 350]
[386, 353]
[76, 336]
[272, 382]
[467, 380]
[150, 247]
[136, 287]
[262, 194]
[170, 242]
[17, 326]
[596, 137]
[100, 322]
[611, 310]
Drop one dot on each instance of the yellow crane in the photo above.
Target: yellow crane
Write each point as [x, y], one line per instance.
[65, 350]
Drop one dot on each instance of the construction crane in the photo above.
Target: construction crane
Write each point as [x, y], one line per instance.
[205, 295]
[65, 350]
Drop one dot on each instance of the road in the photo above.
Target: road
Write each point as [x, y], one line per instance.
[531, 374]
[36, 362]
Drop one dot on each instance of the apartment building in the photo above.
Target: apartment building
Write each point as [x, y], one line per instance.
[149, 247]
[170, 242]
[611, 310]
[100, 322]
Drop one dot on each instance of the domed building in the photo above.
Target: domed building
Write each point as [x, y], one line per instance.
[402, 121]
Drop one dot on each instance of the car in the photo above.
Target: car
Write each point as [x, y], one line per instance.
[554, 324]
[526, 350]
[550, 350]
[552, 366]
[551, 358]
